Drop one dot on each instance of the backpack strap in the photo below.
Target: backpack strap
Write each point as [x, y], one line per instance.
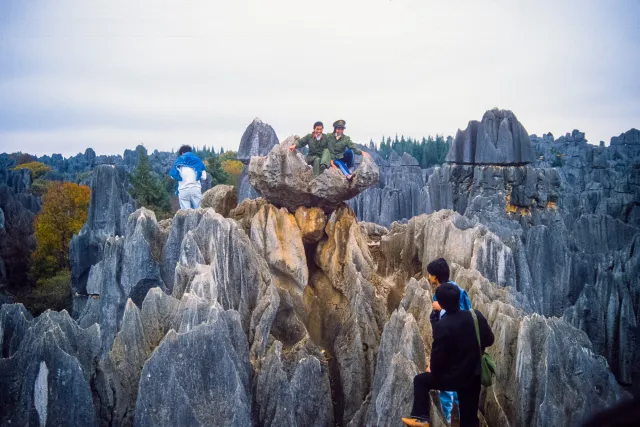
[475, 323]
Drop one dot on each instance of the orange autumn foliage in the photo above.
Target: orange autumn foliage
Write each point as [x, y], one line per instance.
[64, 212]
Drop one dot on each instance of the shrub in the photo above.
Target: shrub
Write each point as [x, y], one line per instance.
[51, 293]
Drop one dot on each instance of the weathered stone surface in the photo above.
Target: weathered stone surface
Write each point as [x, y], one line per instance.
[108, 298]
[245, 189]
[109, 209]
[347, 309]
[285, 180]
[311, 222]
[244, 212]
[46, 381]
[499, 139]
[16, 238]
[288, 329]
[183, 222]
[222, 198]
[278, 240]
[401, 356]
[397, 196]
[293, 389]
[258, 139]
[537, 357]
[199, 377]
[219, 263]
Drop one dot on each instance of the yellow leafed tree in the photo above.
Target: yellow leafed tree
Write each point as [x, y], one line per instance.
[232, 167]
[37, 169]
[64, 212]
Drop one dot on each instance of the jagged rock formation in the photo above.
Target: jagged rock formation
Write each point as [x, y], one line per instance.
[109, 209]
[570, 218]
[285, 180]
[398, 194]
[549, 373]
[499, 139]
[46, 368]
[222, 198]
[258, 140]
[299, 317]
[79, 167]
[17, 209]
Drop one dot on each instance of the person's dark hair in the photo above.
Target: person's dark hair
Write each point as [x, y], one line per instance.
[440, 269]
[184, 149]
[448, 296]
[317, 124]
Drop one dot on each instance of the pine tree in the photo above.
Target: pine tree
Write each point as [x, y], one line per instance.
[148, 190]
[216, 172]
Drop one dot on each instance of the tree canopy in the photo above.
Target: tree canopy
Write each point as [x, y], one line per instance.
[64, 212]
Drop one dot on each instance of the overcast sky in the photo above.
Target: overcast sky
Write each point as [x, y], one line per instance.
[112, 74]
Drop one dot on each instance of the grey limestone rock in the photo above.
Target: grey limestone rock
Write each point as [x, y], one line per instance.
[294, 389]
[499, 139]
[398, 194]
[285, 180]
[183, 221]
[47, 379]
[401, 356]
[200, 377]
[222, 198]
[258, 139]
[109, 209]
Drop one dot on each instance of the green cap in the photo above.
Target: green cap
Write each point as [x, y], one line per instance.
[340, 124]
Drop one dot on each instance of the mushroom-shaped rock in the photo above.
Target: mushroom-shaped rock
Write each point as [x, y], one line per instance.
[285, 180]
[222, 198]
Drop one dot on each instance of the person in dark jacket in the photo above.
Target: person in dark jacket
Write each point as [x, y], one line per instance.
[438, 273]
[455, 360]
[319, 156]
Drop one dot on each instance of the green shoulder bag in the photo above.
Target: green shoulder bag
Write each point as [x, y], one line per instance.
[487, 364]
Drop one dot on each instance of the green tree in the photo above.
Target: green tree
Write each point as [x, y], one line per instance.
[147, 188]
[215, 170]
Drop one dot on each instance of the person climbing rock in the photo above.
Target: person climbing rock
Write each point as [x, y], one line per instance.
[188, 170]
[455, 360]
[319, 154]
[343, 149]
[437, 274]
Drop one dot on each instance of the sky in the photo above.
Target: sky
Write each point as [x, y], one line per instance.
[113, 74]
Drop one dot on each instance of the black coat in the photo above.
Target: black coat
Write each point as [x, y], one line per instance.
[455, 356]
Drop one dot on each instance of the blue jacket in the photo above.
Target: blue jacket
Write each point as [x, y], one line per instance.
[465, 302]
[190, 160]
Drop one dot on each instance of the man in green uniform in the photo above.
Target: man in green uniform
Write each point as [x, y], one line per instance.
[342, 149]
[319, 154]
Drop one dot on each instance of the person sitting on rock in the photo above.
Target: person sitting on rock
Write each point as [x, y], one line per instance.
[319, 155]
[343, 149]
[438, 274]
[188, 170]
[455, 360]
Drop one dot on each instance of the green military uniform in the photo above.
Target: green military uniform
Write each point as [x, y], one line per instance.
[319, 153]
[337, 146]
